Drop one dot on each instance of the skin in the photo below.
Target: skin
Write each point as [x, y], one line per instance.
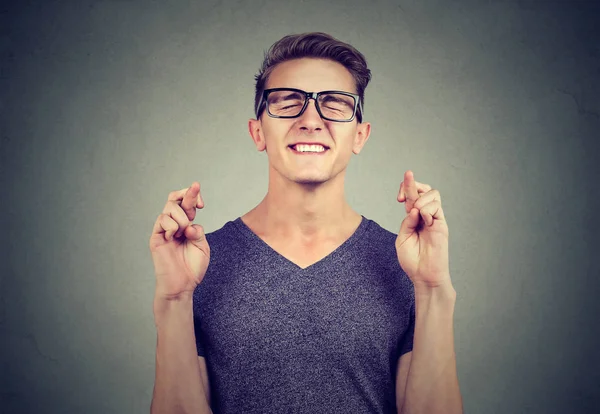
[305, 198]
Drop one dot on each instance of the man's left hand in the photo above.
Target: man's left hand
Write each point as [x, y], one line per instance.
[422, 242]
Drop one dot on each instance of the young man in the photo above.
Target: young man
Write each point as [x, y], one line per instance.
[307, 306]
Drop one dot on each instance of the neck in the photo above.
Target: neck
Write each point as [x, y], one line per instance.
[305, 211]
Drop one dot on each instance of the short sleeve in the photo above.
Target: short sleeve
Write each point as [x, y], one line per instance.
[197, 325]
[198, 334]
[407, 341]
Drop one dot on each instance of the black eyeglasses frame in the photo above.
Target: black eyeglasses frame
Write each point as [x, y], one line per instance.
[309, 96]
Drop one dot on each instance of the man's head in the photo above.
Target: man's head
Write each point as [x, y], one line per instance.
[314, 45]
[303, 64]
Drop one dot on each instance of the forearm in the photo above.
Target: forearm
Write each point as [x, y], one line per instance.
[178, 386]
[432, 383]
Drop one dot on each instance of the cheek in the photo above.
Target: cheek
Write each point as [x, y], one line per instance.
[343, 136]
[274, 134]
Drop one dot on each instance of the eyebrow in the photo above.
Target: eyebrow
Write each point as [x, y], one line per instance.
[330, 97]
[293, 94]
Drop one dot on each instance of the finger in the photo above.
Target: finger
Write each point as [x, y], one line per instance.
[421, 188]
[410, 186]
[428, 197]
[180, 194]
[176, 212]
[177, 195]
[190, 201]
[432, 211]
[165, 225]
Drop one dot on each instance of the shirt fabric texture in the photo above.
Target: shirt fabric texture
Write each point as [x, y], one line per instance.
[324, 339]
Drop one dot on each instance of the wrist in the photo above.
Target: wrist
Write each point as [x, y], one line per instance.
[165, 304]
[444, 290]
[183, 296]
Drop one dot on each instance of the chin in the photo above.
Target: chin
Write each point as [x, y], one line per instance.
[310, 180]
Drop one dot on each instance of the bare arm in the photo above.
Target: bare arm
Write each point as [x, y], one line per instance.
[181, 383]
[204, 377]
[431, 377]
[402, 377]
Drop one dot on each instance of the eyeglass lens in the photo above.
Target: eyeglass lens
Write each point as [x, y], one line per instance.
[332, 105]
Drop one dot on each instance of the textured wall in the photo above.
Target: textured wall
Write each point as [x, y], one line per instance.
[107, 106]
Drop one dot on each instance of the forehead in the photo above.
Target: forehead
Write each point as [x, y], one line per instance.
[311, 75]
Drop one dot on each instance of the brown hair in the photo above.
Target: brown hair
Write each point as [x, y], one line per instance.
[315, 45]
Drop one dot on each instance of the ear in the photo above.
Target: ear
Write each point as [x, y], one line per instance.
[255, 130]
[363, 131]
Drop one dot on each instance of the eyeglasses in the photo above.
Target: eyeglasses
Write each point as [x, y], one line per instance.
[337, 106]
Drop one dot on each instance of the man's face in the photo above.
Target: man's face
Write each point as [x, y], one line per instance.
[278, 136]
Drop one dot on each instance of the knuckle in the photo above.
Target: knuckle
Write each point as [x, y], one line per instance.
[180, 217]
[168, 222]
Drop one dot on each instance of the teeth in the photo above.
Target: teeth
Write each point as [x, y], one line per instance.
[309, 148]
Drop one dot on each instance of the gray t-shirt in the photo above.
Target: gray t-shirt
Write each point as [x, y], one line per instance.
[325, 339]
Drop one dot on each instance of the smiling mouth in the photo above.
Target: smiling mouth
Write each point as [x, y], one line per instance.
[308, 149]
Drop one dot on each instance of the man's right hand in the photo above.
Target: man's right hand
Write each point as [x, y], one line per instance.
[180, 251]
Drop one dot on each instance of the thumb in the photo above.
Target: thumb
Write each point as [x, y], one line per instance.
[195, 234]
[410, 223]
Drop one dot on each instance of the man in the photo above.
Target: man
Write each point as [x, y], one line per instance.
[307, 306]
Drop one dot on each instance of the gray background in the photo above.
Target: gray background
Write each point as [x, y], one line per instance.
[108, 106]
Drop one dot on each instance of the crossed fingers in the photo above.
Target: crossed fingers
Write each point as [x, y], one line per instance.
[411, 190]
[422, 197]
[182, 205]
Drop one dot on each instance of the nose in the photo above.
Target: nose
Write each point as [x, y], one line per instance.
[310, 118]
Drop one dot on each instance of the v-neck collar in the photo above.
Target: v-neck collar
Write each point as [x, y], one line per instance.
[247, 231]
